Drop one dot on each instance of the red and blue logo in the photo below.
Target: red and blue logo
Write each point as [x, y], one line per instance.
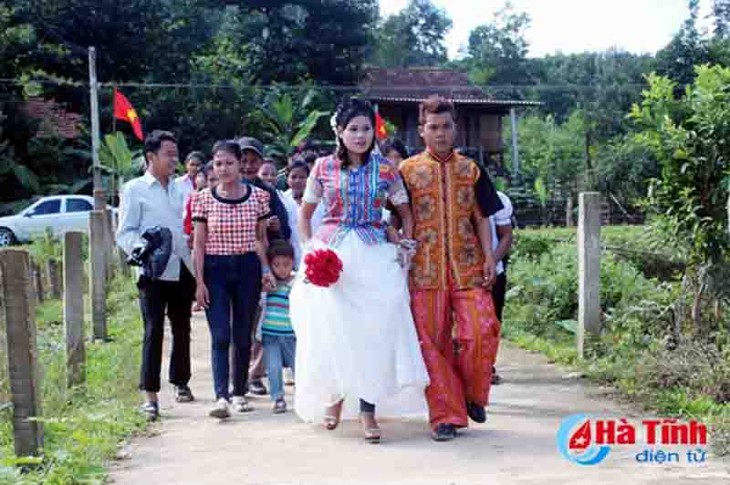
[588, 441]
[576, 444]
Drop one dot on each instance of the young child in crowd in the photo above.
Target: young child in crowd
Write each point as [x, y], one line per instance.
[268, 172]
[277, 334]
[204, 179]
[200, 182]
[212, 178]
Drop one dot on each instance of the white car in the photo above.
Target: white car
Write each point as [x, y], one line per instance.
[59, 213]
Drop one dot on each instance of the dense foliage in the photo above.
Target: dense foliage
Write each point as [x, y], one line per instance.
[637, 349]
[210, 69]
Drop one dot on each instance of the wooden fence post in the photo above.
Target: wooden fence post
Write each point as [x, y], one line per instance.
[121, 256]
[38, 277]
[111, 260]
[123, 266]
[17, 309]
[73, 308]
[589, 267]
[97, 274]
[569, 211]
[54, 279]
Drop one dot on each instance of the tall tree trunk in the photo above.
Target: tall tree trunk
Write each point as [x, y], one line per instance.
[697, 306]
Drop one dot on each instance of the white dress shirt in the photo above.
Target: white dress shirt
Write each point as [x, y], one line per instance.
[292, 211]
[502, 217]
[145, 204]
[317, 216]
[292, 207]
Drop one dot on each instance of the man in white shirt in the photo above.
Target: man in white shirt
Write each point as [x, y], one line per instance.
[501, 223]
[149, 201]
[194, 163]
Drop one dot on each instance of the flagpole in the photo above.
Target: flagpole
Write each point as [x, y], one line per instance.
[99, 199]
[114, 118]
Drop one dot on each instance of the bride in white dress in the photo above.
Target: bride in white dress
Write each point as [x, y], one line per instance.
[356, 340]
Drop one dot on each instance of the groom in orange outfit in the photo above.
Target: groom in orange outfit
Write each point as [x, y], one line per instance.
[452, 272]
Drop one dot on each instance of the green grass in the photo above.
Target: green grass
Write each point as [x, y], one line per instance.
[83, 426]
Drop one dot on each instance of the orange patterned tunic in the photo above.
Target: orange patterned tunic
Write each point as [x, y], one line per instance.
[443, 201]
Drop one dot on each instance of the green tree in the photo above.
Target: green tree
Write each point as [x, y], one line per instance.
[135, 39]
[498, 50]
[689, 136]
[412, 37]
[550, 150]
[721, 18]
[687, 49]
[552, 162]
[603, 83]
[289, 41]
[622, 167]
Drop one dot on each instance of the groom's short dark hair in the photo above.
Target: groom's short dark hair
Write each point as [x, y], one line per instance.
[434, 105]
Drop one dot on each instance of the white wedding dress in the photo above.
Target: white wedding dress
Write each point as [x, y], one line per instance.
[356, 339]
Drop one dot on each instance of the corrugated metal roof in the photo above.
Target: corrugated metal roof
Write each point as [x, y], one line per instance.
[413, 85]
[455, 100]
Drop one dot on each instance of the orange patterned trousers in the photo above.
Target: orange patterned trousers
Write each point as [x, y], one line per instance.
[459, 336]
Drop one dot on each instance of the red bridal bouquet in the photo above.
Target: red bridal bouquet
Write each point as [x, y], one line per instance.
[323, 267]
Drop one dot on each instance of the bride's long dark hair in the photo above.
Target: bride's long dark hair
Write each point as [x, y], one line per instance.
[346, 111]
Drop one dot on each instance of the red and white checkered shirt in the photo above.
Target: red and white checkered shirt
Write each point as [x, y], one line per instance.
[231, 223]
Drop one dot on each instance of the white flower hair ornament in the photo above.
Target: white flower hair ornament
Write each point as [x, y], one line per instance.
[333, 125]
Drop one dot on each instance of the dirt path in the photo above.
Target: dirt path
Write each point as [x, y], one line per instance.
[517, 444]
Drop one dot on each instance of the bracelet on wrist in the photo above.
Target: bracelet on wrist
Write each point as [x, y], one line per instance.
[265, 270]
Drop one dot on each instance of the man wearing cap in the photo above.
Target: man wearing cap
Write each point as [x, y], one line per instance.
[277, 227]
[253, 157]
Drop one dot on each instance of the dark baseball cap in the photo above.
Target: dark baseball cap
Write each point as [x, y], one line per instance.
[249, 143]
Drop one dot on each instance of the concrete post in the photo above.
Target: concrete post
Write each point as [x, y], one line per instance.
[73, 308]
[97, 274]
[17, 309]
[589, 266]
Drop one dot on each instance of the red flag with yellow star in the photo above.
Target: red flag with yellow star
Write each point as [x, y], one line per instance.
[123, 110]
[381, 131]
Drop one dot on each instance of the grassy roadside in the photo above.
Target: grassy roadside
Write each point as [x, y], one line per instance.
[690, 380]
[83, 426]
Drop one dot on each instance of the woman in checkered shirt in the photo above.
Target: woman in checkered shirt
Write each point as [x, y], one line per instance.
[230, 259]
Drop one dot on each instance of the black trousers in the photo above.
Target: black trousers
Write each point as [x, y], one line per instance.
[156, 299]
[498, 294]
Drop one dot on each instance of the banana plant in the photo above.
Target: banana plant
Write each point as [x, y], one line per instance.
[118, 160]
[288, 121]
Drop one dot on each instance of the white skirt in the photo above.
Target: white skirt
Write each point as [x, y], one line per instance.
[356, 339]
